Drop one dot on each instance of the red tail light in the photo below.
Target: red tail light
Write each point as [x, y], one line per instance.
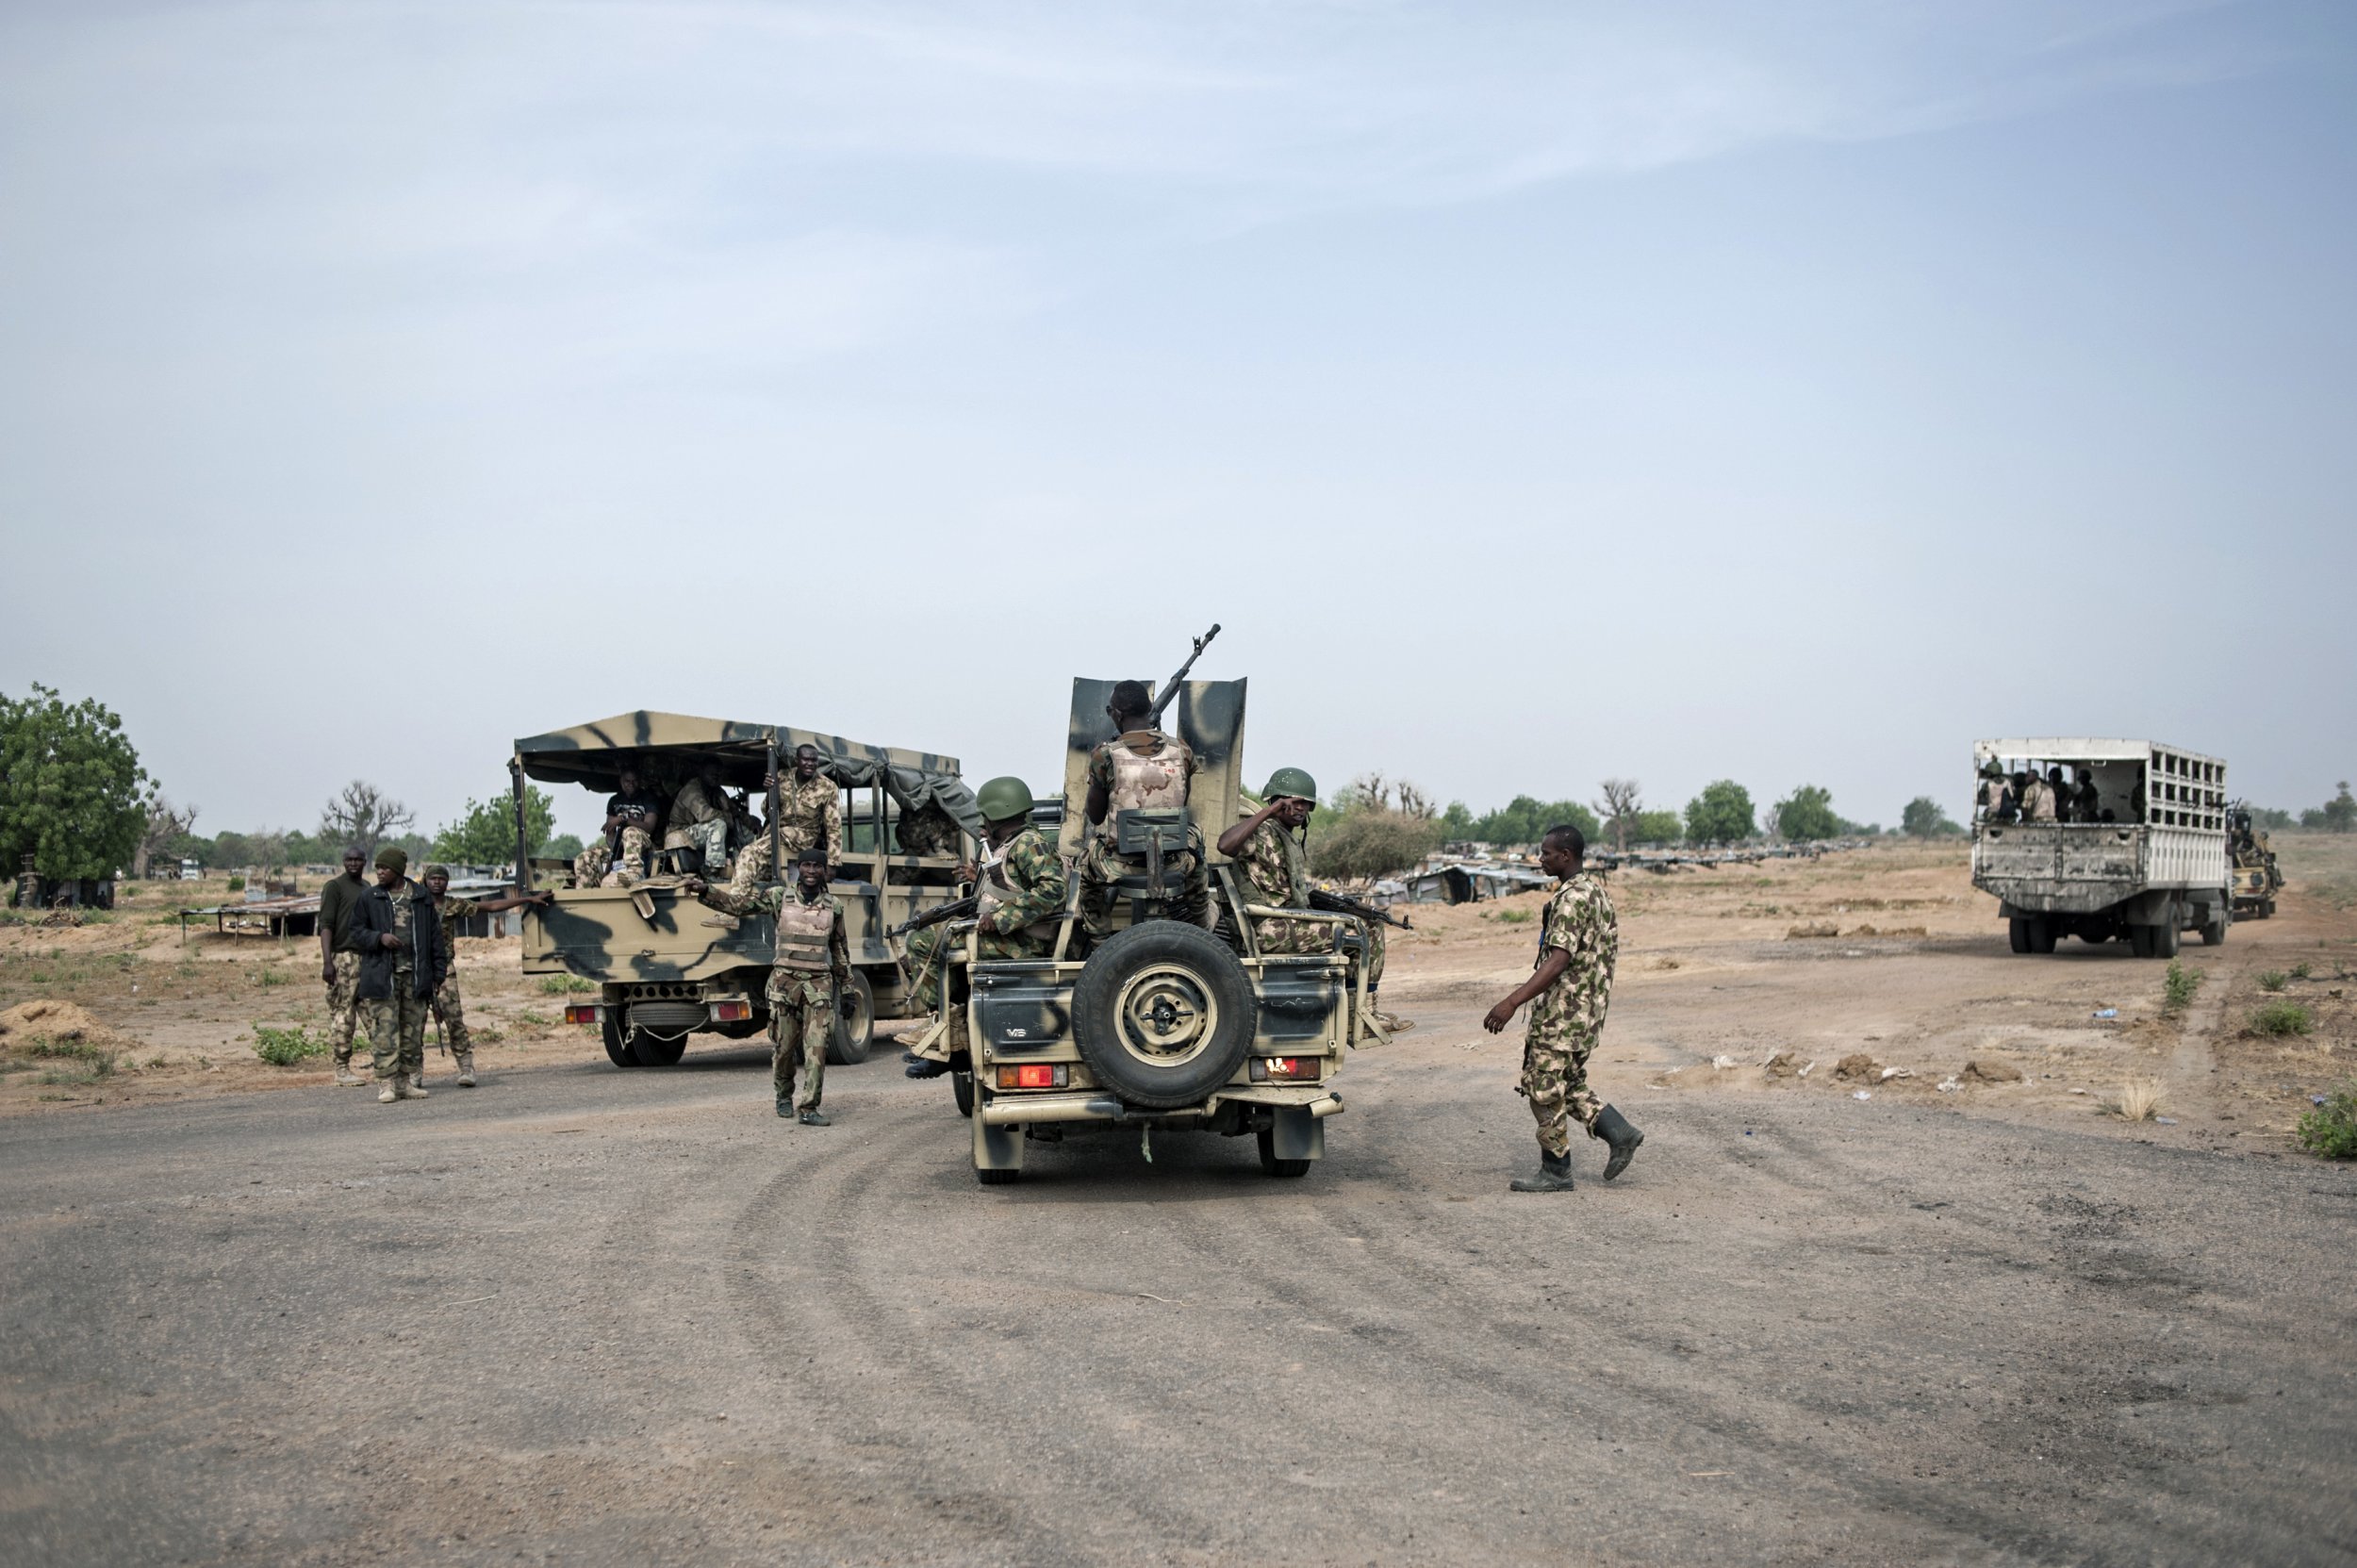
[1036, 1075]
[730, 1012]
[1268, 1067]
[582, 1011]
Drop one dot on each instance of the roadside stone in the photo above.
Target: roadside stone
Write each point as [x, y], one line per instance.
[1857, 1065]
[1780, 1065]
[1799, 933]
[1991, 1072]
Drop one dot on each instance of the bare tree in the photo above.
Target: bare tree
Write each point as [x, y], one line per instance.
[1619, 809]
[268, 846]
[164, 824]
[363, 815]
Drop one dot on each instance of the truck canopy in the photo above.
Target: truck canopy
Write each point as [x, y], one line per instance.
[594, 754]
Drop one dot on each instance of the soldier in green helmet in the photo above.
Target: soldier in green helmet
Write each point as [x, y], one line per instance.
[1019, 894]
[1267, 847]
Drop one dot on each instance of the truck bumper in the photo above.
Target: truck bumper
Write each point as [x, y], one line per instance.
[1018, 1108]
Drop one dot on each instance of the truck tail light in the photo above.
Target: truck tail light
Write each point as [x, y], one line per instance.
[582, 1011]
[1268, 1067]
[1034, 1075]
[730, 1012]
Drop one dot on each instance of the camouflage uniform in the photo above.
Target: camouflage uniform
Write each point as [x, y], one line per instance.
[802, 985]
[2037, 800]
[808, 813]
[1019, 926]
[928, 830]
[1161, 785]
[700, 822]
[589, 866]
[1277, 874]
[397, 1023]
[1567, 1017]
[343, 1008]
[445, 1006]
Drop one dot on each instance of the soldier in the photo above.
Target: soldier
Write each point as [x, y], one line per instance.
[1019, 894]
[809, 809]
[1990, 800]
[2058, 790]
[1267, 849]
[2086, 802]
[1141, 768]
[340, 962]
[699, 821]
[2036, 800]
[591, 865]
[812, 962]
[631, 815]
[1573, 985]
[445, 1004]
[399, 939]
[928, 830]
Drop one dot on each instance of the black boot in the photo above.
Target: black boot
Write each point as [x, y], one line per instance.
[925, 1067]
[1555, 1175]
[1614, 1128]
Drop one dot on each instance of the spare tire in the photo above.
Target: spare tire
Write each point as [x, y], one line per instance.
[1163, 1015]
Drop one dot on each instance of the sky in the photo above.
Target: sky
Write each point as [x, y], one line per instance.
[1534, 393]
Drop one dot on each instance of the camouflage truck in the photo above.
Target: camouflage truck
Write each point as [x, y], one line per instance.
[2150, 865]
[2257, 879]
[666, 965]
[1158, 1024]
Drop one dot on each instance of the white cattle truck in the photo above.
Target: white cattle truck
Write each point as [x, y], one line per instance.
[2142, 857]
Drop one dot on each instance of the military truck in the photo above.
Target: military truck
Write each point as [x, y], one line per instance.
[1158, 1024]
[2255, 877]
[2151, 864]
[667, 967]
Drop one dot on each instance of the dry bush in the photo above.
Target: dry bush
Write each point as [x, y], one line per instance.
[2136, 1102]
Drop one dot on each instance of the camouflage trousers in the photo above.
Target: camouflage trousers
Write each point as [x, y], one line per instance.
[927, 964]
[801, 1017]
[1283, 937]
[397, 1030]
[446, 1010]
[709, 840]
[343, 1008]
[753, 862]
[589, 866]
[1555, 1080]
[631, 869]
[1100, 866]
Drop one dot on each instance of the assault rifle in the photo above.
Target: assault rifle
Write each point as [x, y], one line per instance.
[1337, 903]
[1170, 687]
[956, 909]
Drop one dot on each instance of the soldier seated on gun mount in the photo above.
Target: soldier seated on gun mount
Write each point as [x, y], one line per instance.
[1137, 821]
[697, 830]
[1018, 897]
[1270, 851]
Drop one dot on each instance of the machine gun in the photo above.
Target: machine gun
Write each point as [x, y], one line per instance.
[1170, 687]
[956, 909]
[1337, 903]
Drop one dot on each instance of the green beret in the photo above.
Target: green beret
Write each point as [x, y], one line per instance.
[436, 869]
[392, 855]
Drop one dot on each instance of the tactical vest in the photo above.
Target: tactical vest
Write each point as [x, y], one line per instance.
[803, 934]
[995, 888]
[1155, 779]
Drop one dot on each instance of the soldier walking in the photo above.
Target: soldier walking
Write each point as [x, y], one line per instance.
[445, 1004]
[808, 808]
[1572, 986]
[340, 962]
[813, 962]
[399, 939]
[1019, 892]
[1267, 849]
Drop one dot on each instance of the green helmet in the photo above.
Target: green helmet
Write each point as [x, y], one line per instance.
[1291, 781]
[1992, 769]
[1003, 799]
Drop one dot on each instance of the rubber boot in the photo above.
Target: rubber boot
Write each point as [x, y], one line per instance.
[1555, 1175]
[409, 1088]
[389, 1093]
[1614, 1128]
[466, 1070]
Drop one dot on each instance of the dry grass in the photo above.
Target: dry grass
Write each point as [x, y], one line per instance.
[2136, 1102]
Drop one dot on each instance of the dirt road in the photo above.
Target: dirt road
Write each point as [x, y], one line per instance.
[583, 1316]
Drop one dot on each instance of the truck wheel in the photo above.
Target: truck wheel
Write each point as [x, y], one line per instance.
[2140, 941]
[2213, 929]
[854, 1023]
[1162, 1013]
[2165, 938]
[616, 1043]
[2018, 933]
[653, 1053]
[962, 1089]
[998, 1178]
[1271, 1163]
[2042, 935]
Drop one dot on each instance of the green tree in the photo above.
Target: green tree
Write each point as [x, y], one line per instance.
[1722, 813]
[1657, 827]
[2340, 813]
[1923, 818]
[1457, 823]
[565, 846]
[1373, 827]
[1808, 814]
[484, 832]
[72, 794]
[1524, 818]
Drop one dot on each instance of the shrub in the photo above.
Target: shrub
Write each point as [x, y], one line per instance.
[2329, 1130]
[2136, 1102]
[2281, 1018]
[270, 976]
[2273, 980]
[284, 1047]
[236, 885]
[2177, 987]
[558, 985]
[2302, 970]
[94, 1062]
[1513, 916]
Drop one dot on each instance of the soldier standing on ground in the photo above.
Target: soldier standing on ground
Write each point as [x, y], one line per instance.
[1141, 768]
[1267, 849]
[1572, 987]
[445, 1003]
[808, 806]
[1019, 894]
[339, 962]
[812, 962]
[399, 939]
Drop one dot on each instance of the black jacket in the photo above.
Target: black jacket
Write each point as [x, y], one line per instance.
[372, 917]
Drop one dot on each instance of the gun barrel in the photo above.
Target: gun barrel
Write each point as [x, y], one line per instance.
[1170, 687]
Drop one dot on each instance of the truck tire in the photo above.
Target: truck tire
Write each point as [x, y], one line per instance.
[654, 1051]
[2140, 940]
[1162, 1013]
[961, 1090]
[1273, 1165]
[854, 1023]
[2017, 934]
[2165, 938]
[2213, 929]
[617, 1044]
[2042, 935]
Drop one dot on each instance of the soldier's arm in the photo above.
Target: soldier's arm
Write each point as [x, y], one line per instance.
[1100, 786]
[754, 901]
[1040, 871]
[1232, 843]
[831, 818]
[838, 948]
[1548, 972]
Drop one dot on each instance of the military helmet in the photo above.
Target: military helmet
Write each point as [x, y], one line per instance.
[1291, 781]
[1002, 799]
[1992, 769]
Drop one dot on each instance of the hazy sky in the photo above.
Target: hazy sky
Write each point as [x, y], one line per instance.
[1535, 392]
